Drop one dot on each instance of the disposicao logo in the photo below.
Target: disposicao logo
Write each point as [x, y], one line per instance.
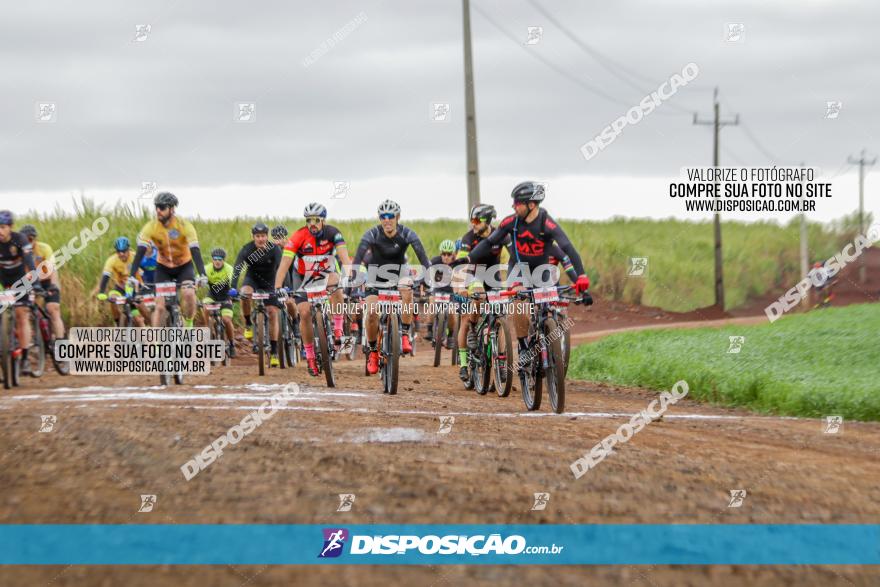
[334, 541]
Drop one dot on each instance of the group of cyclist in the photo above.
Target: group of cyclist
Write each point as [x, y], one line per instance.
[286, 265]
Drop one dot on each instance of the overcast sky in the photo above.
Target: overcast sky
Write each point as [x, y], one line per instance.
[163, 108]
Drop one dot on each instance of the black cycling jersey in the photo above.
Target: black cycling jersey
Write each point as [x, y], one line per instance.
[261, 264]
[530, 241]
[16, 258]
[493, 255]
[391, 251]
[440, 276]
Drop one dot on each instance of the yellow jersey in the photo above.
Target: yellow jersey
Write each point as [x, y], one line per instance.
[173, 241]
[117, 270]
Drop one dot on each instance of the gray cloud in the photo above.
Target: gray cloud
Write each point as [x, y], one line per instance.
[163, 109]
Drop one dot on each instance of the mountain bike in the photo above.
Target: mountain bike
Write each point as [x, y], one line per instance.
[173, 319]
[43, 325]
[322, 327]
[444, 328]
[216, 326]
[260, 320]
[353, 329]
[390, 335]
[545, 359]
[491, 363]
[290, 343]
[10, 360]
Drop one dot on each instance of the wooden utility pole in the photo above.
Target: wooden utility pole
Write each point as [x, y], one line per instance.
[805, 261]
[473, 171]
[719, 271]
[861, 161]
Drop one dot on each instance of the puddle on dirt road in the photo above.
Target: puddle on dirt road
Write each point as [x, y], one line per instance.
[391, 435]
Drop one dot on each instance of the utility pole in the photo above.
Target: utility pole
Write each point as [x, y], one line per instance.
[719, 272]
[805, 261]
[473, 171]
[861, 161]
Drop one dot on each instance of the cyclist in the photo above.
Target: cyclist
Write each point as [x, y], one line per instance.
[44, 259]
[219, 286]
[388, 243]
[261, 259]
[116, 268]
[315, 246]
[178, 255]
[279, 237]
[441, 283]
[532, 231]
[481, 218]
[16, 260]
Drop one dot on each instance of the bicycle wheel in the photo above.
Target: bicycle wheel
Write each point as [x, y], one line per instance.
[530, 384]
[6, 349]
[260, 341]
[502, 358]
[220, 334]
[63, 367]
[391, 346]
[555, 372]
[480, 367]
[37, 349]
[566, 349]
[319, 322]
[177, 322]
[439, 336]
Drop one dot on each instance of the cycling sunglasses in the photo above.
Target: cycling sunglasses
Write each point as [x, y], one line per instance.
[476, 221]
[162, 207]
[314, 220]
[219, 258]
[386, 216]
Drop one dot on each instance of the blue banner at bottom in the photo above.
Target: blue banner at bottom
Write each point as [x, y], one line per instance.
[600, 544]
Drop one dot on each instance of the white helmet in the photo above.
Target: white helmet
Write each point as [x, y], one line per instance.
[315, 209]
[389, 207]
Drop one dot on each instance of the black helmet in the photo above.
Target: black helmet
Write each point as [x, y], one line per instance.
[528, 191]
[218, 252]
[165, 199]
[484, 211]
[260, 228]
[28, 230]
[279, 231]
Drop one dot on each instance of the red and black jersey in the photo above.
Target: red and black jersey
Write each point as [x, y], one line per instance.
[531, 242]
[303, 243]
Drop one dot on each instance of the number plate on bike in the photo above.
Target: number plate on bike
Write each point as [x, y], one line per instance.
[495, 297]
[442, 298]
[258, 295]
[149, 300]
[545, 295]
[389, 295]
[119, 300]
[169, 288]
[317, 296]
[212, 307]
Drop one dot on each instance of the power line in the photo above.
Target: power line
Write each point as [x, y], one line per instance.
[550, 64]
[605, 61]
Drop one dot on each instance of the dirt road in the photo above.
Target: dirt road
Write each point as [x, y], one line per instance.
[115, 440]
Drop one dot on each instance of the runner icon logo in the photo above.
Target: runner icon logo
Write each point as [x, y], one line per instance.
[737, 497]
[147, 503]
[346, 500]
[736, 344]
[334, 541]
[47, 423]
[446, 423]
[833, 424]
[541, 500]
